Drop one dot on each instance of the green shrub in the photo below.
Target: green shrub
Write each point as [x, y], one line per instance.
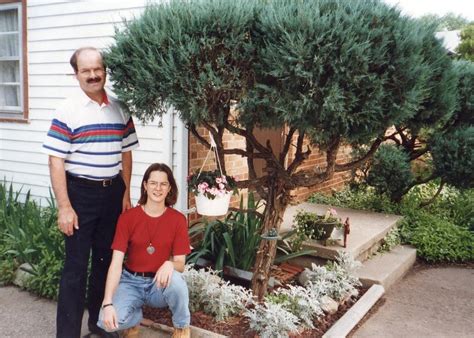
[390, 172]
[438, 240]
[28, 234]
[462, 210]
[7, 271]
[362, 199]
[453, 157]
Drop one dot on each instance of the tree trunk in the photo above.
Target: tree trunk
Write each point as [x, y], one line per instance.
[277, 202]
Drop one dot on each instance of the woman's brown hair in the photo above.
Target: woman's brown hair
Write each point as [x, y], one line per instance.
[172, 196]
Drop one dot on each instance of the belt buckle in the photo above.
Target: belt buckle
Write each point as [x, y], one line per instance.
[107, 183]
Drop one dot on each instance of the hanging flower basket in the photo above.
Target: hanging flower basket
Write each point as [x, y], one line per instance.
[213, 207]
[212, 189]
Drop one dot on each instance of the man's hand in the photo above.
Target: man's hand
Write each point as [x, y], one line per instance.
[126, 202]
[110, 318]
[67, 220]
[163, 275]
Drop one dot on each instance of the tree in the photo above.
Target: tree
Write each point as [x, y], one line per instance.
[449, 21]
[466, 47]
[442, 136]
[334, 73]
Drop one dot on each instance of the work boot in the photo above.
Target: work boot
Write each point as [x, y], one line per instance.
[181, 333]
[133, 332]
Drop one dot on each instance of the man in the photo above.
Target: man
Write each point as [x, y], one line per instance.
[89, 145]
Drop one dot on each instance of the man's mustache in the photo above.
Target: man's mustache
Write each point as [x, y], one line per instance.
[94, 79]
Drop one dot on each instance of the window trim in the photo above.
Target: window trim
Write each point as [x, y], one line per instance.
[22, 115]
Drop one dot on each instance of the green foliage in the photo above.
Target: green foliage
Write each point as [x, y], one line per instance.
[453, 157]
[45, 280]
[325, 67]
[191, 54]
[462, 209]
[464, 113]
[28, 234]
[438, 240]
[7, 271]
[232, 241]
[466, 47]
[328, 68]
[390, 172]
[363, 199]
[391, 240]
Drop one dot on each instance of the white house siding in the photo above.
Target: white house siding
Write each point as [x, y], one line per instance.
[55, 30]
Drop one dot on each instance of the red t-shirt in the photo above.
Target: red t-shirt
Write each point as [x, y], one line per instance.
[168, 234]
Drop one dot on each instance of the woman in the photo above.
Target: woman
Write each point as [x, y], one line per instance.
[155, 239]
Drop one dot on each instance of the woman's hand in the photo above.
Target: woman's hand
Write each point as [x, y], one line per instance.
[110, 318]
[163, 275]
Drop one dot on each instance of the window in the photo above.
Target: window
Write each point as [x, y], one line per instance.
[13, 86]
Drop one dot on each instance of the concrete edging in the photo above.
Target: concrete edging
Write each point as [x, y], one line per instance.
[352, 317]
[196, 332]
[340, 329]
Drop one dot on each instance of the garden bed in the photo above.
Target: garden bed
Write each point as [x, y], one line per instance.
[238, 326]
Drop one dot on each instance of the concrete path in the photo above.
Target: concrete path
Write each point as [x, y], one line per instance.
[24, 315]
[428, 302]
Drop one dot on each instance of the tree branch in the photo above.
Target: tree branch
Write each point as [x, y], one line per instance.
[201, 139]
[286, 146]
[360, 161]
[309, 178]
[299, 155]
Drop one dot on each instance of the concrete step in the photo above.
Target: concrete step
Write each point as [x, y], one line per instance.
[367, 230]
[387, 268]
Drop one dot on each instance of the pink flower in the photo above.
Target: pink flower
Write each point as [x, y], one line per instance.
[221, 186]
[202, 187]
[218, 180]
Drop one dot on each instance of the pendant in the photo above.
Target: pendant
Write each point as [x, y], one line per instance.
[150, 249]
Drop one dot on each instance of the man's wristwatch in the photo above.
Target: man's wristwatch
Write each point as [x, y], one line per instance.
[105, 305]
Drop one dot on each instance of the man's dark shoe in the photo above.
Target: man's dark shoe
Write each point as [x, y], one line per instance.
[94, 329]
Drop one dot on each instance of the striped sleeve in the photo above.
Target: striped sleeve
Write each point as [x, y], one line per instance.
[59, 138]
[129, 139]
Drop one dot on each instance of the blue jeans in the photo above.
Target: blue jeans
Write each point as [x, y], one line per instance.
[133, 292]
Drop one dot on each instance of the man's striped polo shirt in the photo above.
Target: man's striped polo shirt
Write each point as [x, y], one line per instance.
[91, 137]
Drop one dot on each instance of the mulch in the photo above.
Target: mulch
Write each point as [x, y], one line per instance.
[238, 326]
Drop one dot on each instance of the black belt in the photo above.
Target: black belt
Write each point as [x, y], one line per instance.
[93, 183]
[141, 274]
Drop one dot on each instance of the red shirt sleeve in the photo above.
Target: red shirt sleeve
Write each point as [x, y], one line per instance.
[122, 234]
[181, 244]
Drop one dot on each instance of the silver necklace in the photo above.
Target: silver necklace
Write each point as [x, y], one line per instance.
[150, 248]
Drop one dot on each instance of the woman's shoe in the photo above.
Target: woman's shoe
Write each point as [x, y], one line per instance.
[182, 333]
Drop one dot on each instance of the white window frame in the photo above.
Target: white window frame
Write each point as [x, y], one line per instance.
[16, 112]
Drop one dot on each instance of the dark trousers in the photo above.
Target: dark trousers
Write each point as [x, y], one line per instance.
[98, 209]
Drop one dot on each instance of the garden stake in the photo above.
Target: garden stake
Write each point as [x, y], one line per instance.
[347, 231]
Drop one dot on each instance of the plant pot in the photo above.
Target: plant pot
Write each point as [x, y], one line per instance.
[323, 231]
[216, 207]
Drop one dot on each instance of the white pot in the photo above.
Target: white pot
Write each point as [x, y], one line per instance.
[216, 207]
